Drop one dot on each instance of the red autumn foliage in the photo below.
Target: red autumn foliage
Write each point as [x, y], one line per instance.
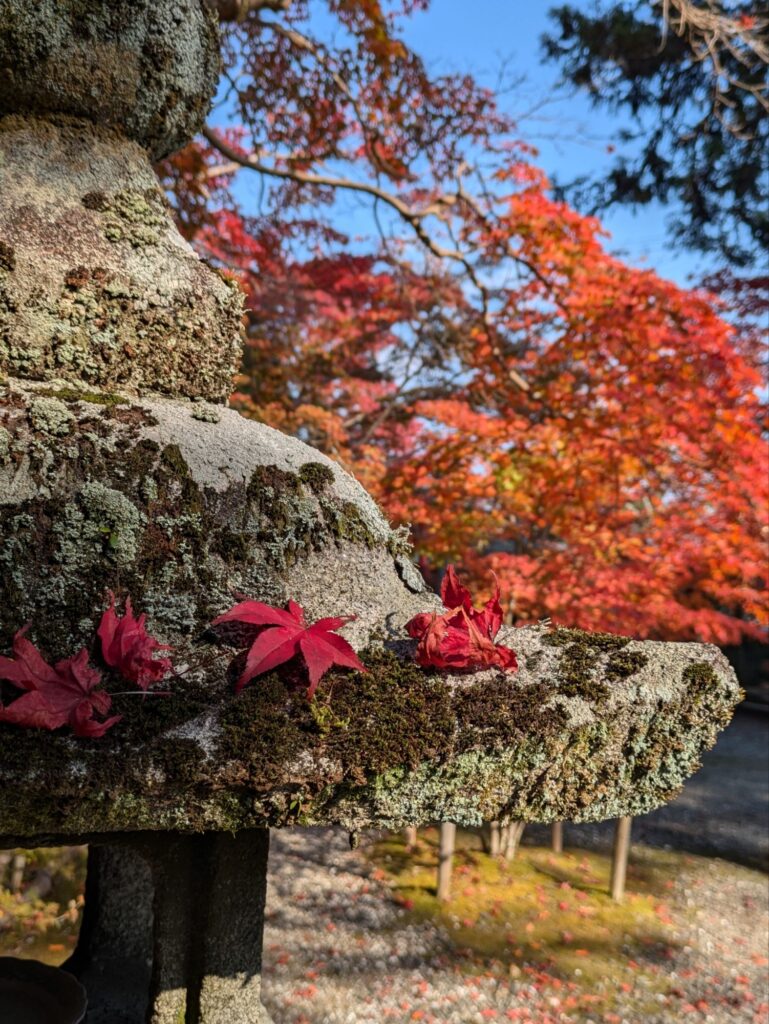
[56, 695]
[626, 487]
[284, 635]
[127, 647]
[462, 639]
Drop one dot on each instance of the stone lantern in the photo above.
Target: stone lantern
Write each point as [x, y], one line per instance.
[122, 469]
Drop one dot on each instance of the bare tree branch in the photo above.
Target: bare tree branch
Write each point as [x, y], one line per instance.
[239, 10]
[712, 33]
[413, 216]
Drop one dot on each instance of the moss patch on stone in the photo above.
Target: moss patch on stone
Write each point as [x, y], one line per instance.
[580, 660]
[71, 395]
[392, 746]
[396, 715]
[503, 712]
[623, 664]
[700, 678]
[316, 476]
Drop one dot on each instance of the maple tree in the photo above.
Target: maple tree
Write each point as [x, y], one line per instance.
[461, 639]
[527, 401]
[284, 635]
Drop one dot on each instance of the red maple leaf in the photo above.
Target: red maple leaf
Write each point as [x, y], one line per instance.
[462, 639]
[56, 695]
[127, 646]
[286, 636]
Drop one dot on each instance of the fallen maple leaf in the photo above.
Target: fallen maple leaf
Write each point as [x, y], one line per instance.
[56, 695]
[461, 639]
[127, 646]
[286, 636]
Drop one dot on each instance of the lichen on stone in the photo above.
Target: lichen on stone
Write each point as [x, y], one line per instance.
[206, 413]
[114, 517]
[126, 304]
[149, 69]
[51, 416]
[133, 216]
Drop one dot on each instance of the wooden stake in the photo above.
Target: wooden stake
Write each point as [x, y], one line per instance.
[557, 837]
[445, 859]
[514, 836]
[620, 857]
[495, 839]
[18, 864]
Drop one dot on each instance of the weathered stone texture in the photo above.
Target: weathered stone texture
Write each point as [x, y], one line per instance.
[148, 498]
[144, 497]
[145, 67]
[96, 283]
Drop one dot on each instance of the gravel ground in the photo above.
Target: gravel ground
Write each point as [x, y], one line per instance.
[339, 950]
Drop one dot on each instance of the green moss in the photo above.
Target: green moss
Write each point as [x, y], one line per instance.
[397, 715]
[394, 745]
[564, 901]
[147, 717]
[533, 661]
[316, 476]
[347, 522]
[580, 662]
[700, 678]
[264, 729]
[172, 457]
[501, 712]
[325, 718]
[91, 397]
[270, 486]
[624, 664]
[95, 201]
[600, 642]
[179, 759]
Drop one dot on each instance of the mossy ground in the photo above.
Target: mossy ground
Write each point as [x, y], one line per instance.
[547, 916]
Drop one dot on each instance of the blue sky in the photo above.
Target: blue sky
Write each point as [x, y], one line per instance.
[481, 37]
